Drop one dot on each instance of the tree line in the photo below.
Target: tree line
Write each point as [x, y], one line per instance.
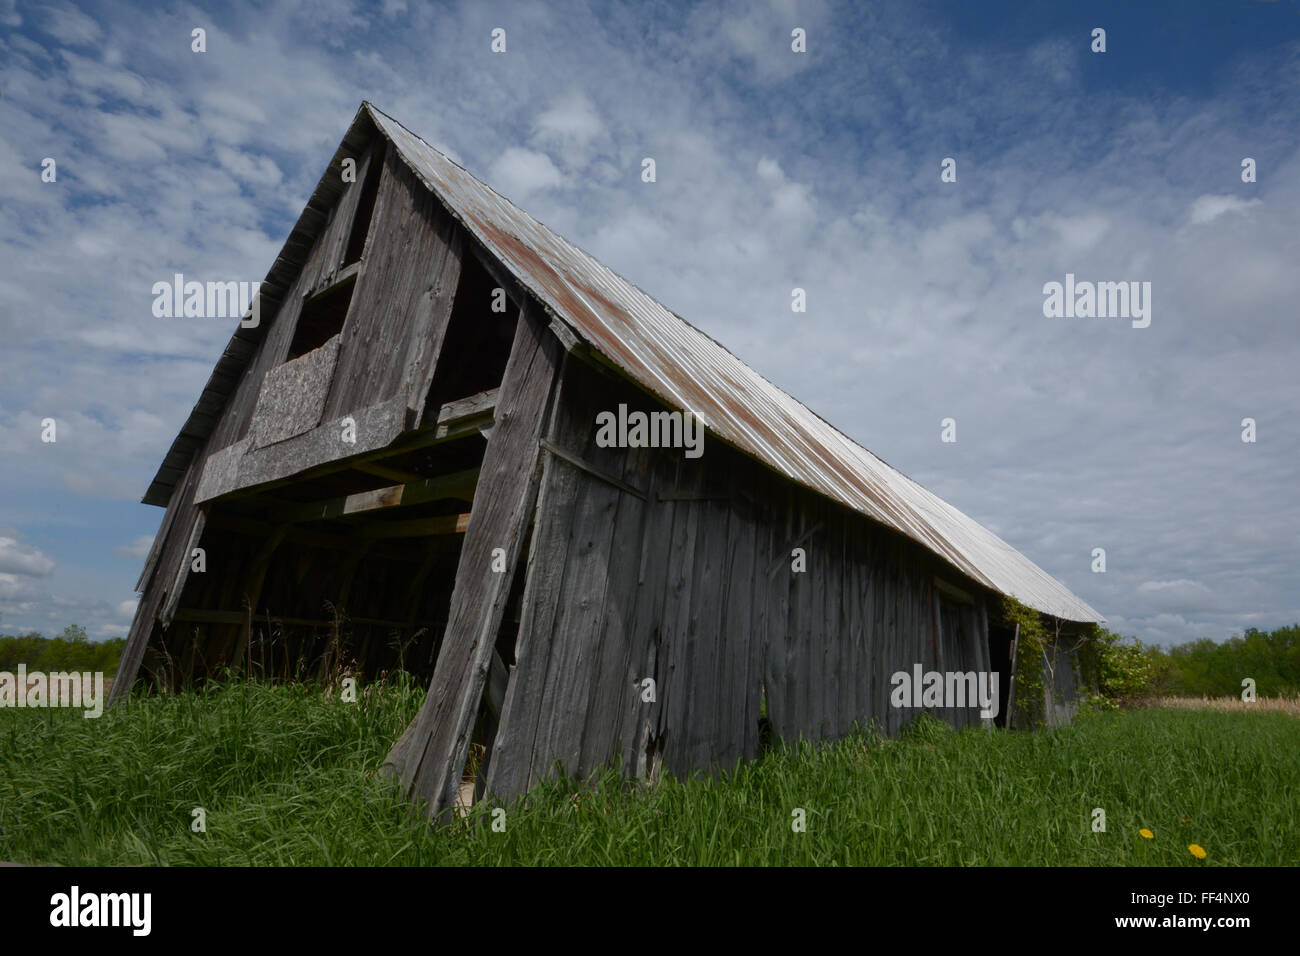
[70, 651]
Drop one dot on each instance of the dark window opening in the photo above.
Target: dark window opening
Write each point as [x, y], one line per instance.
[1000, 640]
[365, 207]
[477, 345]
[321, 319]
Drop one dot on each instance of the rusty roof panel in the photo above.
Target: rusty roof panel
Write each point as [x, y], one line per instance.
[690, 371]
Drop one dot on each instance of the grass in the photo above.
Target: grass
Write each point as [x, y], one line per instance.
[287, 776]
[1232, 705]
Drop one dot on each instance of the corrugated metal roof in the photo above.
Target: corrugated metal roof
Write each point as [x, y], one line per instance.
[690, 371]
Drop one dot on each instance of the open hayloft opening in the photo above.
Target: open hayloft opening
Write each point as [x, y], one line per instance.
[345, 570]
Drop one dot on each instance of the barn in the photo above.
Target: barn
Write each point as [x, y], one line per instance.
[400, 465]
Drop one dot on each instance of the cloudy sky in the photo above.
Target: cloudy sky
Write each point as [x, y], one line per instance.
[775, 169]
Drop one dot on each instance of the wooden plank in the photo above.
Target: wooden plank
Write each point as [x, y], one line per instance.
[458, 484]
[862, 698]
[705, 651]
[384, 471]
[293, 396]
[1011, 684]
[431, 767]
[738, 701]
[337, 280]
[586, 677]
[238, 467]
[595, 471]
[567, 337]
[835, 639]
[417, 527]
[232, 475]
[430, 321]
[402, 298]
[169, 516]
[182, 571]
[574, 663]
[779, 704]
[641, 718]
[760, 586]
[616, 692]
[521, 712]
[676, 626]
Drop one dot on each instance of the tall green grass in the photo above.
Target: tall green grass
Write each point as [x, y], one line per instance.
[288, 775]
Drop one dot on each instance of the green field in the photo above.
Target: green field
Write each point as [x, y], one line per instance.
[287, 776]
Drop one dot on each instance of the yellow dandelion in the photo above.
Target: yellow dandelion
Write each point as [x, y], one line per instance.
[1185, 820]
[1147, 833]
[1197, 851]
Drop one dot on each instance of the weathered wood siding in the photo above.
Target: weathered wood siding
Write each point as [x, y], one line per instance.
[647, 564]
[429, 760]
[399, 310]
[1060, 683]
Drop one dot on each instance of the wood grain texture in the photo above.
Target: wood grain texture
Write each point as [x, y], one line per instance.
[293, 396]
[431, 767]
[398, 314]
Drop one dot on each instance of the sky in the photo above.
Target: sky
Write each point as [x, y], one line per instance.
[775, 170]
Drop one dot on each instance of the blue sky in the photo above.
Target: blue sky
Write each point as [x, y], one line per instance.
[775, 169]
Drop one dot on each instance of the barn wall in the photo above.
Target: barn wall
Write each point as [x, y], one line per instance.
[1061, 684]
[649, 564]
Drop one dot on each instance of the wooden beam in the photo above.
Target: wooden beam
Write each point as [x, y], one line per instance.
[956, 593]
[429, 759]
[429, 322]
[237, 471]
[590, 469]
[416, 527]
[335, 281]
[183, 570]
[459, 484]
[383, 471]
[567, 338]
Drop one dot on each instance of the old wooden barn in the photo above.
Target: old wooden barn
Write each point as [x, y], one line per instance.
[399, 467]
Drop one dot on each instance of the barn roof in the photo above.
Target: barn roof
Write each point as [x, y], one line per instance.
[689, 370]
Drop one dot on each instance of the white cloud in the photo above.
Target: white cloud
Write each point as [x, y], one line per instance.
[245, 166]
[1208, 208]
[1179, 594]
[19, 558]
[569, 120]
[519, 173]
[71, 25]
